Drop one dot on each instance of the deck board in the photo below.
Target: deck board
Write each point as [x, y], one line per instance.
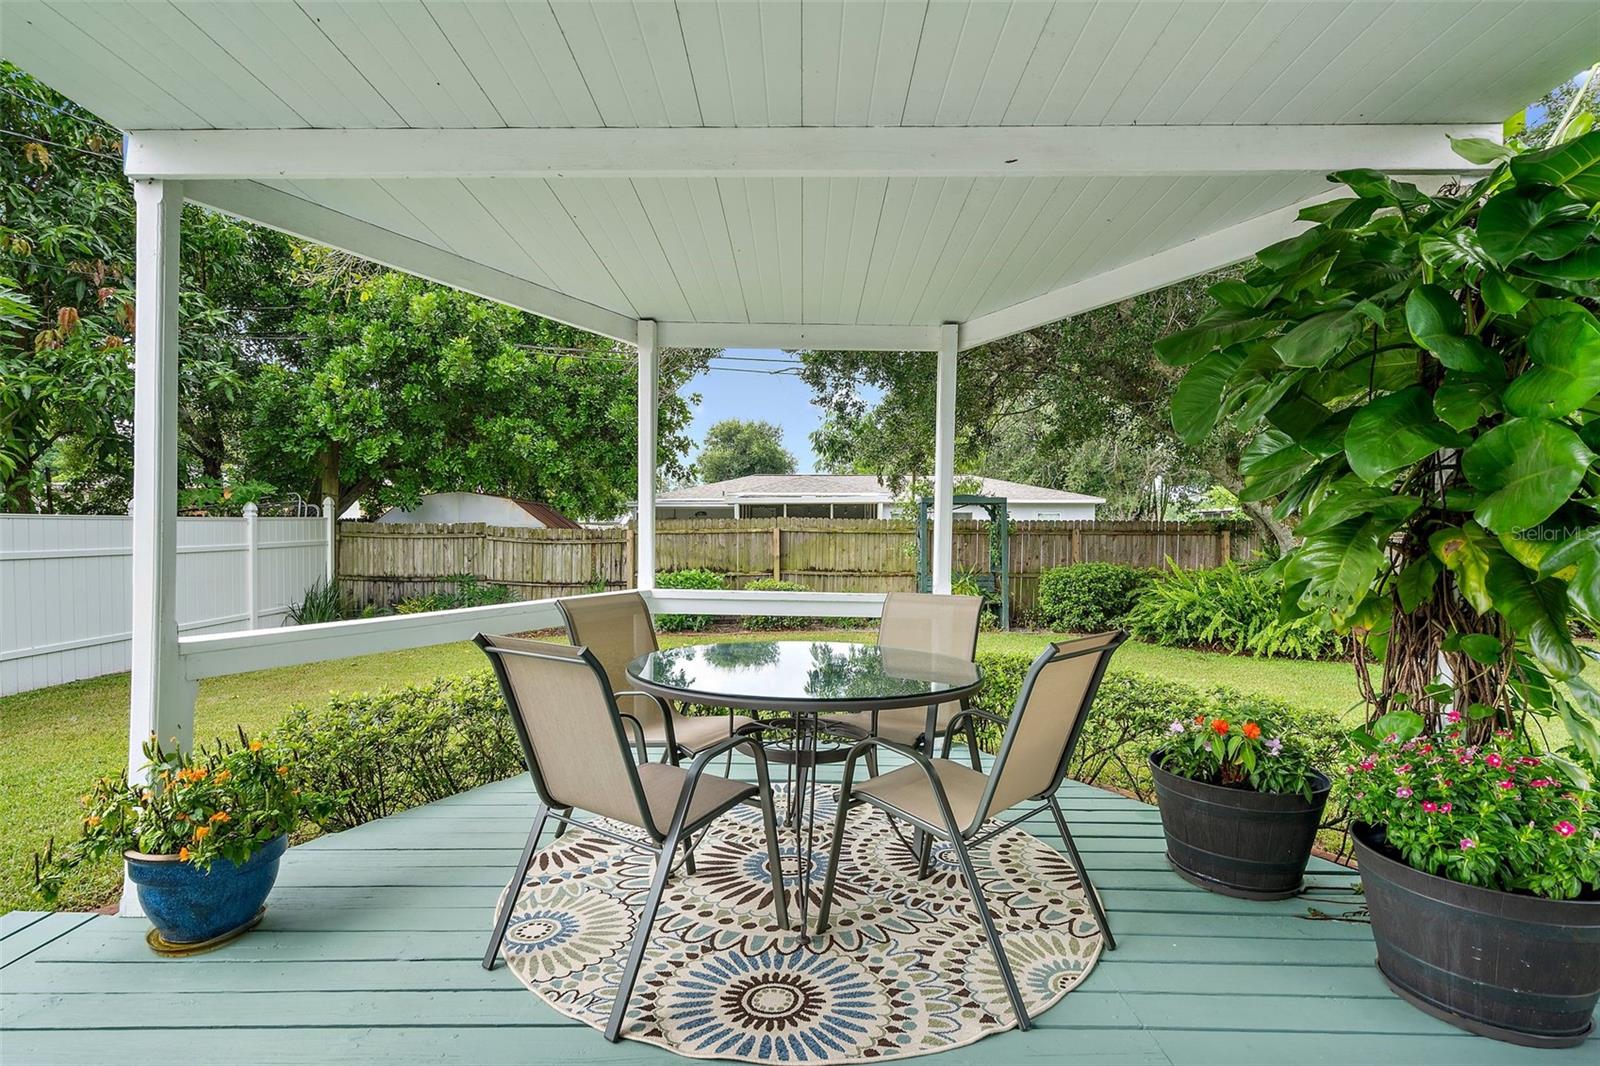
[369, 954]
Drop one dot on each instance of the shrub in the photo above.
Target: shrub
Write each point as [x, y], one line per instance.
[1089, 597]
[761, 621]
[1230, 608]
[320, 603]
[686, 579]
[469, 592]
[373, 754]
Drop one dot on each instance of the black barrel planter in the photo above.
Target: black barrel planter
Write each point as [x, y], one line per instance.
[1516, 968]
[1235, 841]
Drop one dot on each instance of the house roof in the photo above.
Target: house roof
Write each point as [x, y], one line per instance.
[841, 488]
[549, 516]
[825, 174]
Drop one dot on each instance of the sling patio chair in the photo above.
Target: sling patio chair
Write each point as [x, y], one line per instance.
[943, 625]
[573, 741]
[955, 803]
[617, 628]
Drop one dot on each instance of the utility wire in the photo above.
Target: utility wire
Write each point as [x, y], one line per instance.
[58, 144]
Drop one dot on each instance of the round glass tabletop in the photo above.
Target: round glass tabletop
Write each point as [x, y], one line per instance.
[803, 675]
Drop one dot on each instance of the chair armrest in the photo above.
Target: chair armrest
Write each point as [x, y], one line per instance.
[666, 717]
[968, 713]
[921, 761]
[638, 734]
[703, 759]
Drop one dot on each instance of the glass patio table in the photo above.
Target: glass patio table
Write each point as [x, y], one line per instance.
[793, 687]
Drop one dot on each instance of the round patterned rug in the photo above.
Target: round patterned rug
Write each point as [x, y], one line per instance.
[903, 971]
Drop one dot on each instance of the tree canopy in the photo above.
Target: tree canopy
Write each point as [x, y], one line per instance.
[736, 447]
[302, 371]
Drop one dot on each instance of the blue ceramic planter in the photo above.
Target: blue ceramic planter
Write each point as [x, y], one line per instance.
[189, 905]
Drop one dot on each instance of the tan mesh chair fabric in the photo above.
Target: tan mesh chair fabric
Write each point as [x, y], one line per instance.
[616, 628]
[1040, 729]
[582, 760]
[944, 625]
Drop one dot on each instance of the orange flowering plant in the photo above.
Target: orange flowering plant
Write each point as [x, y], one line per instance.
[1239, 742]
[223, 801]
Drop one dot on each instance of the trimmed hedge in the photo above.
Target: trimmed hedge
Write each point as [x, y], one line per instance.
[761, 621]
[686, 579]
[1089, 597]
[378, 753]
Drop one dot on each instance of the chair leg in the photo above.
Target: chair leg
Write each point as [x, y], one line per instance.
[769, 823]
[641, 936]
[872, 762]
[688, 856]
[835, 848]
[502, 917]
[1083, 874]
[1006, 976]
[561, 827]
[925, 857]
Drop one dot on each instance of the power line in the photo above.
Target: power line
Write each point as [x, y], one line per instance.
[57, 144]
[67, 112]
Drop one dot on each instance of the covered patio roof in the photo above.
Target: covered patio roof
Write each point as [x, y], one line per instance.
[895, 176]
[818, 174]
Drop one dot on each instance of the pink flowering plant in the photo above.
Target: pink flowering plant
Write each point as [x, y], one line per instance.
[1238, 743]
[1499, 814]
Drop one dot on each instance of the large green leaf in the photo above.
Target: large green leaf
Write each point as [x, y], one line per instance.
[1501, 295]
[1565, 350]
[1319, 338]
[1339, 564]
[1272, 463]
[1395, 431]
[1480, 150]
[1466, 552]
[1536, 610]
[1416, 582]
[1350, 497]
[1187, 345]
[1285, 254]
[1463, 403]
[1583, 265]
[1574, 165]
[1197, 401]
[1544, 223]
[1436, 323]
[1576, 561]
[1526, 469]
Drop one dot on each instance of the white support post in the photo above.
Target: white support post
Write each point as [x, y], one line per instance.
[330, 533]
[944, 461]
[252, 571]
[649, 383]
[162, 700]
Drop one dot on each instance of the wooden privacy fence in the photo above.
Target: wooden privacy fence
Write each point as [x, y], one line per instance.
[382, 564]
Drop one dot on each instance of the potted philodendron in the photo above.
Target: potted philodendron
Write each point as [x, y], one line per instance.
[201, 840]
[1240, 802]
[1415, 380]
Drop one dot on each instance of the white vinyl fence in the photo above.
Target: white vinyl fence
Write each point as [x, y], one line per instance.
[66, 583]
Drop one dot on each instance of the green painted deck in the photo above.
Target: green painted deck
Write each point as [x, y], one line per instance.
[369, 953]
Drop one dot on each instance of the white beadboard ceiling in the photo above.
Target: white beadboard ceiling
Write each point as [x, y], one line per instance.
[870, 249]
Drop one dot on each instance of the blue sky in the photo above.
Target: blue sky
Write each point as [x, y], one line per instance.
[741, 384]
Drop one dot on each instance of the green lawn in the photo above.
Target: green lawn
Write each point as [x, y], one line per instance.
[54, 740]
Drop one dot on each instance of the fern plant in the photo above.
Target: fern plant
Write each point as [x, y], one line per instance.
[1230, 607]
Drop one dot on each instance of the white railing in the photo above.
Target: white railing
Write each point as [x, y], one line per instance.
[234, 653]
[66, 580]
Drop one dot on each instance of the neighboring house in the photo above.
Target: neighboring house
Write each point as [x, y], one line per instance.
[448, 507]
[852, 496]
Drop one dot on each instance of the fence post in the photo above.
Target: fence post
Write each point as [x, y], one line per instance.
[777, 553]
[627, 558]
[252, 543]
[1226, 547]
[330, 529]
[1077, 546]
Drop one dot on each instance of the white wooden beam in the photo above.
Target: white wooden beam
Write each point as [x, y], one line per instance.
[1210, 252]
[649, 406]
[794, 336]
[281, 211]
[944, 461]
[772, 152]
